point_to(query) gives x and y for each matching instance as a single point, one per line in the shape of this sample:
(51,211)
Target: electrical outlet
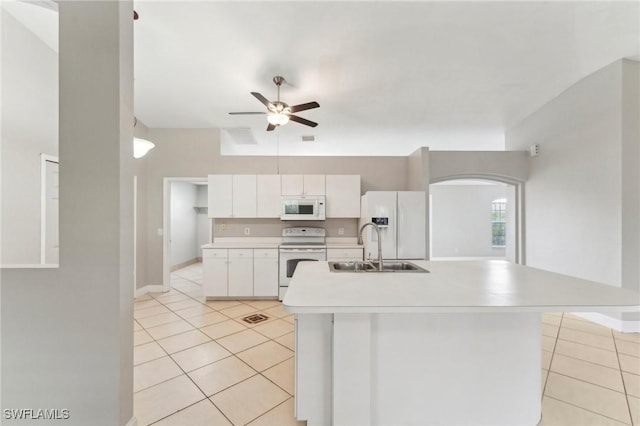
(247,231)
(340,231)
(160,232)
(223,226)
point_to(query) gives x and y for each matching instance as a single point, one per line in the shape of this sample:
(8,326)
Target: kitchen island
(460,345)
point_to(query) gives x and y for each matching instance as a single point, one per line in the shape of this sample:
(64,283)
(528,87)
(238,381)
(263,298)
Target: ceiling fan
(278,112)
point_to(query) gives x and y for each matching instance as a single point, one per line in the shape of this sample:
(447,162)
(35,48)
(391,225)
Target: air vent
(238,135)
(255,318)
(308,138)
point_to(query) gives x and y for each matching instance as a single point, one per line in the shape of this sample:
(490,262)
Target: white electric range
(299,244)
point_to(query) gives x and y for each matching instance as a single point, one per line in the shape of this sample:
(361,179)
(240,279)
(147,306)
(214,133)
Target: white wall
(29,128)
(202,222)
(184,228)
(582,195)
(461,220)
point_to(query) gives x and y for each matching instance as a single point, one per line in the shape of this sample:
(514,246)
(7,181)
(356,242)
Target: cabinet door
(343,196)
(214,269)
(244,195)
(268,196)
(265,272)
(292,185)
(240,272)
(220,196)
(313,185)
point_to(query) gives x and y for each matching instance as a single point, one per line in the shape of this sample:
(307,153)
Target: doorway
(474,219)
(186,225)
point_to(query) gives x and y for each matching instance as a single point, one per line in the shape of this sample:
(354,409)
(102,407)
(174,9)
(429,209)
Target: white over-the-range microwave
(303,207)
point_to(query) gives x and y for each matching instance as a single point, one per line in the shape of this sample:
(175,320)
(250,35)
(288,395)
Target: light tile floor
(198,363)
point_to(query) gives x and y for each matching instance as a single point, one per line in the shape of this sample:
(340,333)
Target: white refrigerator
(402,219)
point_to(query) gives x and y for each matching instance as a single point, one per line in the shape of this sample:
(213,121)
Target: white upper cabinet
(244,196)
(343,196)
(232,196)
(268,196)
(292,185)
(220,196)
(303,185)
(252,196)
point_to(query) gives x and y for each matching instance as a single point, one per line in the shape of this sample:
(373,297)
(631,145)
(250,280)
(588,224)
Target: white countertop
(451,286)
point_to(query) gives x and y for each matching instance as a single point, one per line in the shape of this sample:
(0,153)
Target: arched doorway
(476,217)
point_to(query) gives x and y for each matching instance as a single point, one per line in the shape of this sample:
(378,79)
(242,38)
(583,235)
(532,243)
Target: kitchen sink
(388,266)
(350,266)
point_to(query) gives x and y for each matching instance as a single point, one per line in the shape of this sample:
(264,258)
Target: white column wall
(67,333)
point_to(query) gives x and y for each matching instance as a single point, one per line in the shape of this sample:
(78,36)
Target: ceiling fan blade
(304,107)
(302,121)
(247,113)
(271,127)
(262,99)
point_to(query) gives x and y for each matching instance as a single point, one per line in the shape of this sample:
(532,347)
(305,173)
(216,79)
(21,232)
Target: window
(498,222)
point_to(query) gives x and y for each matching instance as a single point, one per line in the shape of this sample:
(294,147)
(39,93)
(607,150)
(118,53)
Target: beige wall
(196,153)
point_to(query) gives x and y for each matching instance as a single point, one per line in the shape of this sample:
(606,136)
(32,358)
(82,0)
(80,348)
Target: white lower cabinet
(214,270)
(265,272)
(240,273)
(335,254)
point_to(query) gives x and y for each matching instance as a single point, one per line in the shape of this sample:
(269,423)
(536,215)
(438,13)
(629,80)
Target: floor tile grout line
(190,379)
(555,343)
(624,385)
(590,362)
(172,414)
(590,411)
(585,344)
(586,331)
(588,382)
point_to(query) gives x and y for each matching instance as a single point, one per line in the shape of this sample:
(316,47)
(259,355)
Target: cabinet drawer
(337,254)
(240,253)
(265,253)
(209,253)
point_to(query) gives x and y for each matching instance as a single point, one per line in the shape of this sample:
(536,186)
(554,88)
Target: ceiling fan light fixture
(141,147)
(278,119)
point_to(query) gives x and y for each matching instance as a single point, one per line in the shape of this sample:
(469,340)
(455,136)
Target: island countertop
(451,286)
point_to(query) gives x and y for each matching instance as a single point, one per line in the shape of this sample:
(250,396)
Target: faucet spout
(379,241)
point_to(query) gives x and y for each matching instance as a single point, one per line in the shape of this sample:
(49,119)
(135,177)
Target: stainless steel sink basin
(350,266)
(388,266)
(400,266)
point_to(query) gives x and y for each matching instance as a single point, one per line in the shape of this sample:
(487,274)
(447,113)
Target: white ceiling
(390,76)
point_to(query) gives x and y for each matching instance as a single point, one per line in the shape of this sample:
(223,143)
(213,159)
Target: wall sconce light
(141,146)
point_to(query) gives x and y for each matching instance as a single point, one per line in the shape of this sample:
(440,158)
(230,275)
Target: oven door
(291,257)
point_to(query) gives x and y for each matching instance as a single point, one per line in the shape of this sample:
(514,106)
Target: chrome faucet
(379,241)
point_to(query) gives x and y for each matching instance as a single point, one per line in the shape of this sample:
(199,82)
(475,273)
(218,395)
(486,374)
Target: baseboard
(149,289)
(607,321)
(184,264)
(132,421)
